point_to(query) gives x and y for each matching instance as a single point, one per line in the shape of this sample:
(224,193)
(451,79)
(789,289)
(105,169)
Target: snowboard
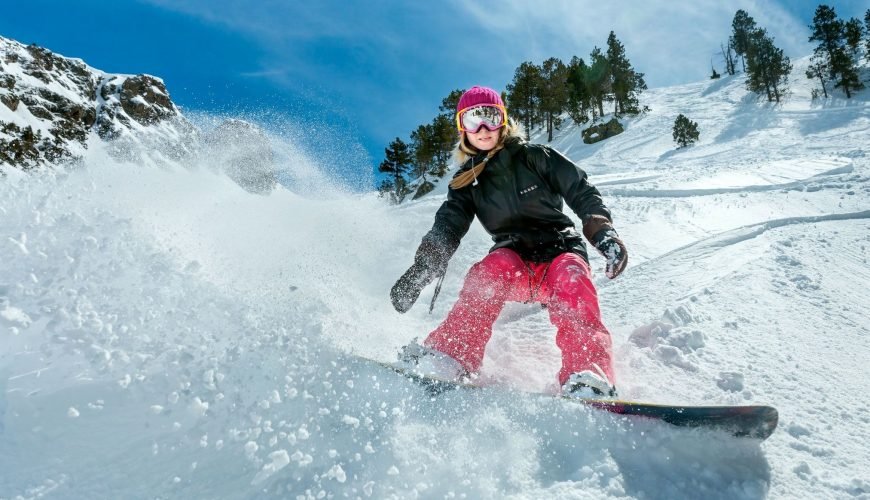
(750,421)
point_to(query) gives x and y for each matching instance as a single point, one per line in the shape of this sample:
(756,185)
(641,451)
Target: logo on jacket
(528,190)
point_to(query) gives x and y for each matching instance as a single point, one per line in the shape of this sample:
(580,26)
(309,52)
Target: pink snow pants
(565,286)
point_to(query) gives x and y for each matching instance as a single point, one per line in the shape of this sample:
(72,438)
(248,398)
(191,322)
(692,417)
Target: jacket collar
(511,146)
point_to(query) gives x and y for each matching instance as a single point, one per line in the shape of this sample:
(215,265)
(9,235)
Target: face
(484,139)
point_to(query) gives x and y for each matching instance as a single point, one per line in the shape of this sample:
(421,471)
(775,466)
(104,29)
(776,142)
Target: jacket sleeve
(452,221)
(430,261)
(570,181)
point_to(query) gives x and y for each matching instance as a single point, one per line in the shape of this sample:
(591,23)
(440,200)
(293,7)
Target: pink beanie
(476,96)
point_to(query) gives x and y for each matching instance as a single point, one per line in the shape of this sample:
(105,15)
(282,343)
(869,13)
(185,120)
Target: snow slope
(165,334)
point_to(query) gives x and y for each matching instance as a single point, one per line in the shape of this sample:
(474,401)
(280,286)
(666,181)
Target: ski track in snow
(167,335)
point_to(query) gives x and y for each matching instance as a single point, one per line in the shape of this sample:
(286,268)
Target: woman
(516,190)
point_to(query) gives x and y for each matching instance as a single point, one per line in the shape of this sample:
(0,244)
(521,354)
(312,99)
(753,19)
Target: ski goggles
(491,116)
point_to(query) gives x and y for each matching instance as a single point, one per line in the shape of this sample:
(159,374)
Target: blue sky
(352,75)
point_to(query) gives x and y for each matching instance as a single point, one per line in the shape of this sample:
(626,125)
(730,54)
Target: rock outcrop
(51,105)
(602,131)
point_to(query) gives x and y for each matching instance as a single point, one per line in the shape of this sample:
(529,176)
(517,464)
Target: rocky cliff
(54,108)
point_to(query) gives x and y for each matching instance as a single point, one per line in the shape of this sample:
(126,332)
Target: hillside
(165,334)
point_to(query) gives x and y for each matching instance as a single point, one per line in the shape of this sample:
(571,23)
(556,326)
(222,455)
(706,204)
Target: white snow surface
(165,334)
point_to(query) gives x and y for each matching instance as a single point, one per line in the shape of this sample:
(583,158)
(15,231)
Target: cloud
(280,21)
(672,42)
(265,73)
(386,65)
(363,57)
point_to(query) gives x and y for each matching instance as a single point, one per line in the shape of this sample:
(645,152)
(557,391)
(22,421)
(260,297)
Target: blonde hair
(464,150)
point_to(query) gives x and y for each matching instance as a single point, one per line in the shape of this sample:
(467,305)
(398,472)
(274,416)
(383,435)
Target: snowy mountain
(166,334)
(54,106)
(55,109)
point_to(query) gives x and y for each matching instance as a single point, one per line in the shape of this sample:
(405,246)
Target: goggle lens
(472,119)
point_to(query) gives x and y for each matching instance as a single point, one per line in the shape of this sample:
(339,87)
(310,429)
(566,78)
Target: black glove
(613,249)
(430,261)
(405,292)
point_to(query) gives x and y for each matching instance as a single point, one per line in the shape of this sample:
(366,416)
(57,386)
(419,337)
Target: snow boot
(431,363)
(589,384)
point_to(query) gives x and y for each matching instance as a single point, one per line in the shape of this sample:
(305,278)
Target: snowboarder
(516,190)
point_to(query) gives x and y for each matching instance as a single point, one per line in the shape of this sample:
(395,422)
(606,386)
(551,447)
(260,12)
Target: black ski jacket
(518,199)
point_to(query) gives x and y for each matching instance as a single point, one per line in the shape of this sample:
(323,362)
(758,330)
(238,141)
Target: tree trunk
(822,81)
(549,127)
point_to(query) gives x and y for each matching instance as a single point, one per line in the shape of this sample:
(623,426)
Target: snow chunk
(337,473)
(670,355)
(279,460)
(198,407)
(15,316)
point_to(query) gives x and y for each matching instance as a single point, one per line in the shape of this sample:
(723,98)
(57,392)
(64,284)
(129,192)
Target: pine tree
(620,77)
(830,32)
(444,137)
(827,29)
(523,94)
(625,82)
(685,131)
(743,26)
(422,146)
(768,67)
(579,102)
(851,79)
(852,34)
(848,78)
(598,82)
(867,35)
(449,103)
(397,162)
(554,93)
(444,134)
(826,32)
